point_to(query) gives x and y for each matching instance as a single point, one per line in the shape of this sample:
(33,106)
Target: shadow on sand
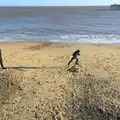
(23,68)
(73,69)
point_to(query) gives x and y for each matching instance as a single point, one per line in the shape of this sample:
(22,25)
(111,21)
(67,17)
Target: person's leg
(71,60)
(1,63)
(76,63)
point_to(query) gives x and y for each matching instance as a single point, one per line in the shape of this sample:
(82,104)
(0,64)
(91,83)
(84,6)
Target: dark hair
(78,51)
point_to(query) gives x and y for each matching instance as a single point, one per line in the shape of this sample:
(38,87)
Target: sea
(75,24)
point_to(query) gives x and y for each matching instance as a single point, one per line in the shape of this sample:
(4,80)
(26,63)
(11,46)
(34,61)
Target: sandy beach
(37,86)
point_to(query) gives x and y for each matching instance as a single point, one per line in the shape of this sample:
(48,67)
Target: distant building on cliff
(115,7)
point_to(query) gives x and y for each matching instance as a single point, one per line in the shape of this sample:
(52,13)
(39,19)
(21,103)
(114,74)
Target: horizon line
(55,5)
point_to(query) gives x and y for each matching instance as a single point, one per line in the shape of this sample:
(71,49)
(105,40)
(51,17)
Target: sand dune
(37,86)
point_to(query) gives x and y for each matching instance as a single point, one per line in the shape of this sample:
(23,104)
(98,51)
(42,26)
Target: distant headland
(115,7)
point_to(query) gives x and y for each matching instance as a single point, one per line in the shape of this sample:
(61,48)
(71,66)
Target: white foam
(107,39)
(89,38)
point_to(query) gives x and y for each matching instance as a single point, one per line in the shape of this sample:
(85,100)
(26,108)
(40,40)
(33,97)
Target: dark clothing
(75,54)
(73,59)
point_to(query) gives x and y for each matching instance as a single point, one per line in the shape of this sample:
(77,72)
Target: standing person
(74,56)
(1,61)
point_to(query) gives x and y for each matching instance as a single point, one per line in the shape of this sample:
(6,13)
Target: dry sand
(37,86)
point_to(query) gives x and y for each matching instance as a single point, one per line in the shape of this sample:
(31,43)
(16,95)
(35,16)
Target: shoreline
(49,42)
